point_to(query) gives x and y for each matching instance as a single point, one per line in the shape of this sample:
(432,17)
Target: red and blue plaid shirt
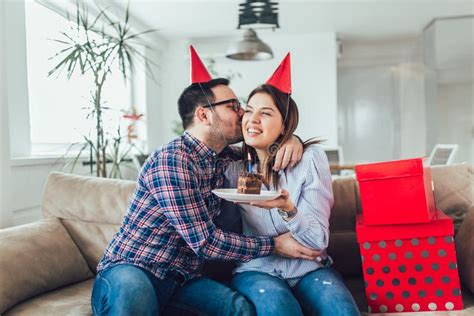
(169,226)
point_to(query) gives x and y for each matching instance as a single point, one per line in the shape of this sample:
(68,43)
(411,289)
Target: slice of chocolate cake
(249,183)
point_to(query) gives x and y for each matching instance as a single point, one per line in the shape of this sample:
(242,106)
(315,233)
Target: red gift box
(396,192)
(410,267)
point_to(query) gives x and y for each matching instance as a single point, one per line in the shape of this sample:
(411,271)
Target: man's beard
(218,135)
(237,137)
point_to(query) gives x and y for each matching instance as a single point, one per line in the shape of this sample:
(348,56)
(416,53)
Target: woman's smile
(254,131)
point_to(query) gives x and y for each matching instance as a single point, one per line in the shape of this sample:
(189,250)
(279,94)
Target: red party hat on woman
(198,70)
(281,78)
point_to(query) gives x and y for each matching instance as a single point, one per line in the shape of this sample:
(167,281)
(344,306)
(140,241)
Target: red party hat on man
(281,78)
(198,70)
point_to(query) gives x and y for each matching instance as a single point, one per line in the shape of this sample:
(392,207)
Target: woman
(276,285)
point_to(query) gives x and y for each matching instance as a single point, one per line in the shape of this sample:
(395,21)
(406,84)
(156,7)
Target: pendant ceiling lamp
(254,14)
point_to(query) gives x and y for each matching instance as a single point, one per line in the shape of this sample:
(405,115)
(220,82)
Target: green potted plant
(97,46)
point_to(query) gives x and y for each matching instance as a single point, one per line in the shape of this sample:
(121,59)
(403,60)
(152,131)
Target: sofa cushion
(343,212)
(453,190)
(36,258)
(344,250)
(90,238)
(70,300)
(88,199)
(465,250)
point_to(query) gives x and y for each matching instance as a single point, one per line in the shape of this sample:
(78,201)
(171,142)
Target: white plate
(233,196)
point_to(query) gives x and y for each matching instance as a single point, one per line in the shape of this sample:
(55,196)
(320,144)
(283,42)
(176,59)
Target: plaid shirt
(169,226)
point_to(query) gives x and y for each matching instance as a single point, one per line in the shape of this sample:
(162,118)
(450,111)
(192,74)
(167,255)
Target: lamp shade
(250,48)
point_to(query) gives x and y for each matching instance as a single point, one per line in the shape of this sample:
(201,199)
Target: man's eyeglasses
(235,104)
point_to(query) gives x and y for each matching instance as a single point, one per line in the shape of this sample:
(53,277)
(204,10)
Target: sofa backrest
(91,209)
(453,190)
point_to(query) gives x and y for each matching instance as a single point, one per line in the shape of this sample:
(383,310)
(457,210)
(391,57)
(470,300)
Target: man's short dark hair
(193,96)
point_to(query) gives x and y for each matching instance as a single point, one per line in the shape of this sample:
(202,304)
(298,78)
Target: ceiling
(350,19)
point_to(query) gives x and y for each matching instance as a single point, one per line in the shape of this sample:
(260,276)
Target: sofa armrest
(36,258)
(465,250)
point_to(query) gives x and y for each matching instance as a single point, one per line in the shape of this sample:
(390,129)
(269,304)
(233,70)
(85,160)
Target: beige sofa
(48,267)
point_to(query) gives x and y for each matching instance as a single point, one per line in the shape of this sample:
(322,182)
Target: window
(58,114)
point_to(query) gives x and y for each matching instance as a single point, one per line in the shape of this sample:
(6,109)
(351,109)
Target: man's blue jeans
(129,290)
(321,292)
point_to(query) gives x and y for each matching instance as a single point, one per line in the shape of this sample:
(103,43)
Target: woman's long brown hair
(289,112)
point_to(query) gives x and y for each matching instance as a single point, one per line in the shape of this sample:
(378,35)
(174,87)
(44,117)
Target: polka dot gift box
(405,183)
(410,267)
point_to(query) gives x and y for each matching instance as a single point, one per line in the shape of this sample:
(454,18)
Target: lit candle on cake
(249,163)
(249,183)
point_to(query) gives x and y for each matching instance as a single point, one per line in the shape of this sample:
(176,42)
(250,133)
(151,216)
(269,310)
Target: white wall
(4,152)
(450,118)
(368,115)
(380,52)
(456,119)
(432,111)
(17,83)
(313,61)
(449,49)
(412,98)
(163,108)
(434,105)
(382,95)
(449,43)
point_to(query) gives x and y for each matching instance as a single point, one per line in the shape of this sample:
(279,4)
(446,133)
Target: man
(168,230)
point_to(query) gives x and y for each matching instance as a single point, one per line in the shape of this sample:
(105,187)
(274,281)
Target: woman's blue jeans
(129,290)
(321,292)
